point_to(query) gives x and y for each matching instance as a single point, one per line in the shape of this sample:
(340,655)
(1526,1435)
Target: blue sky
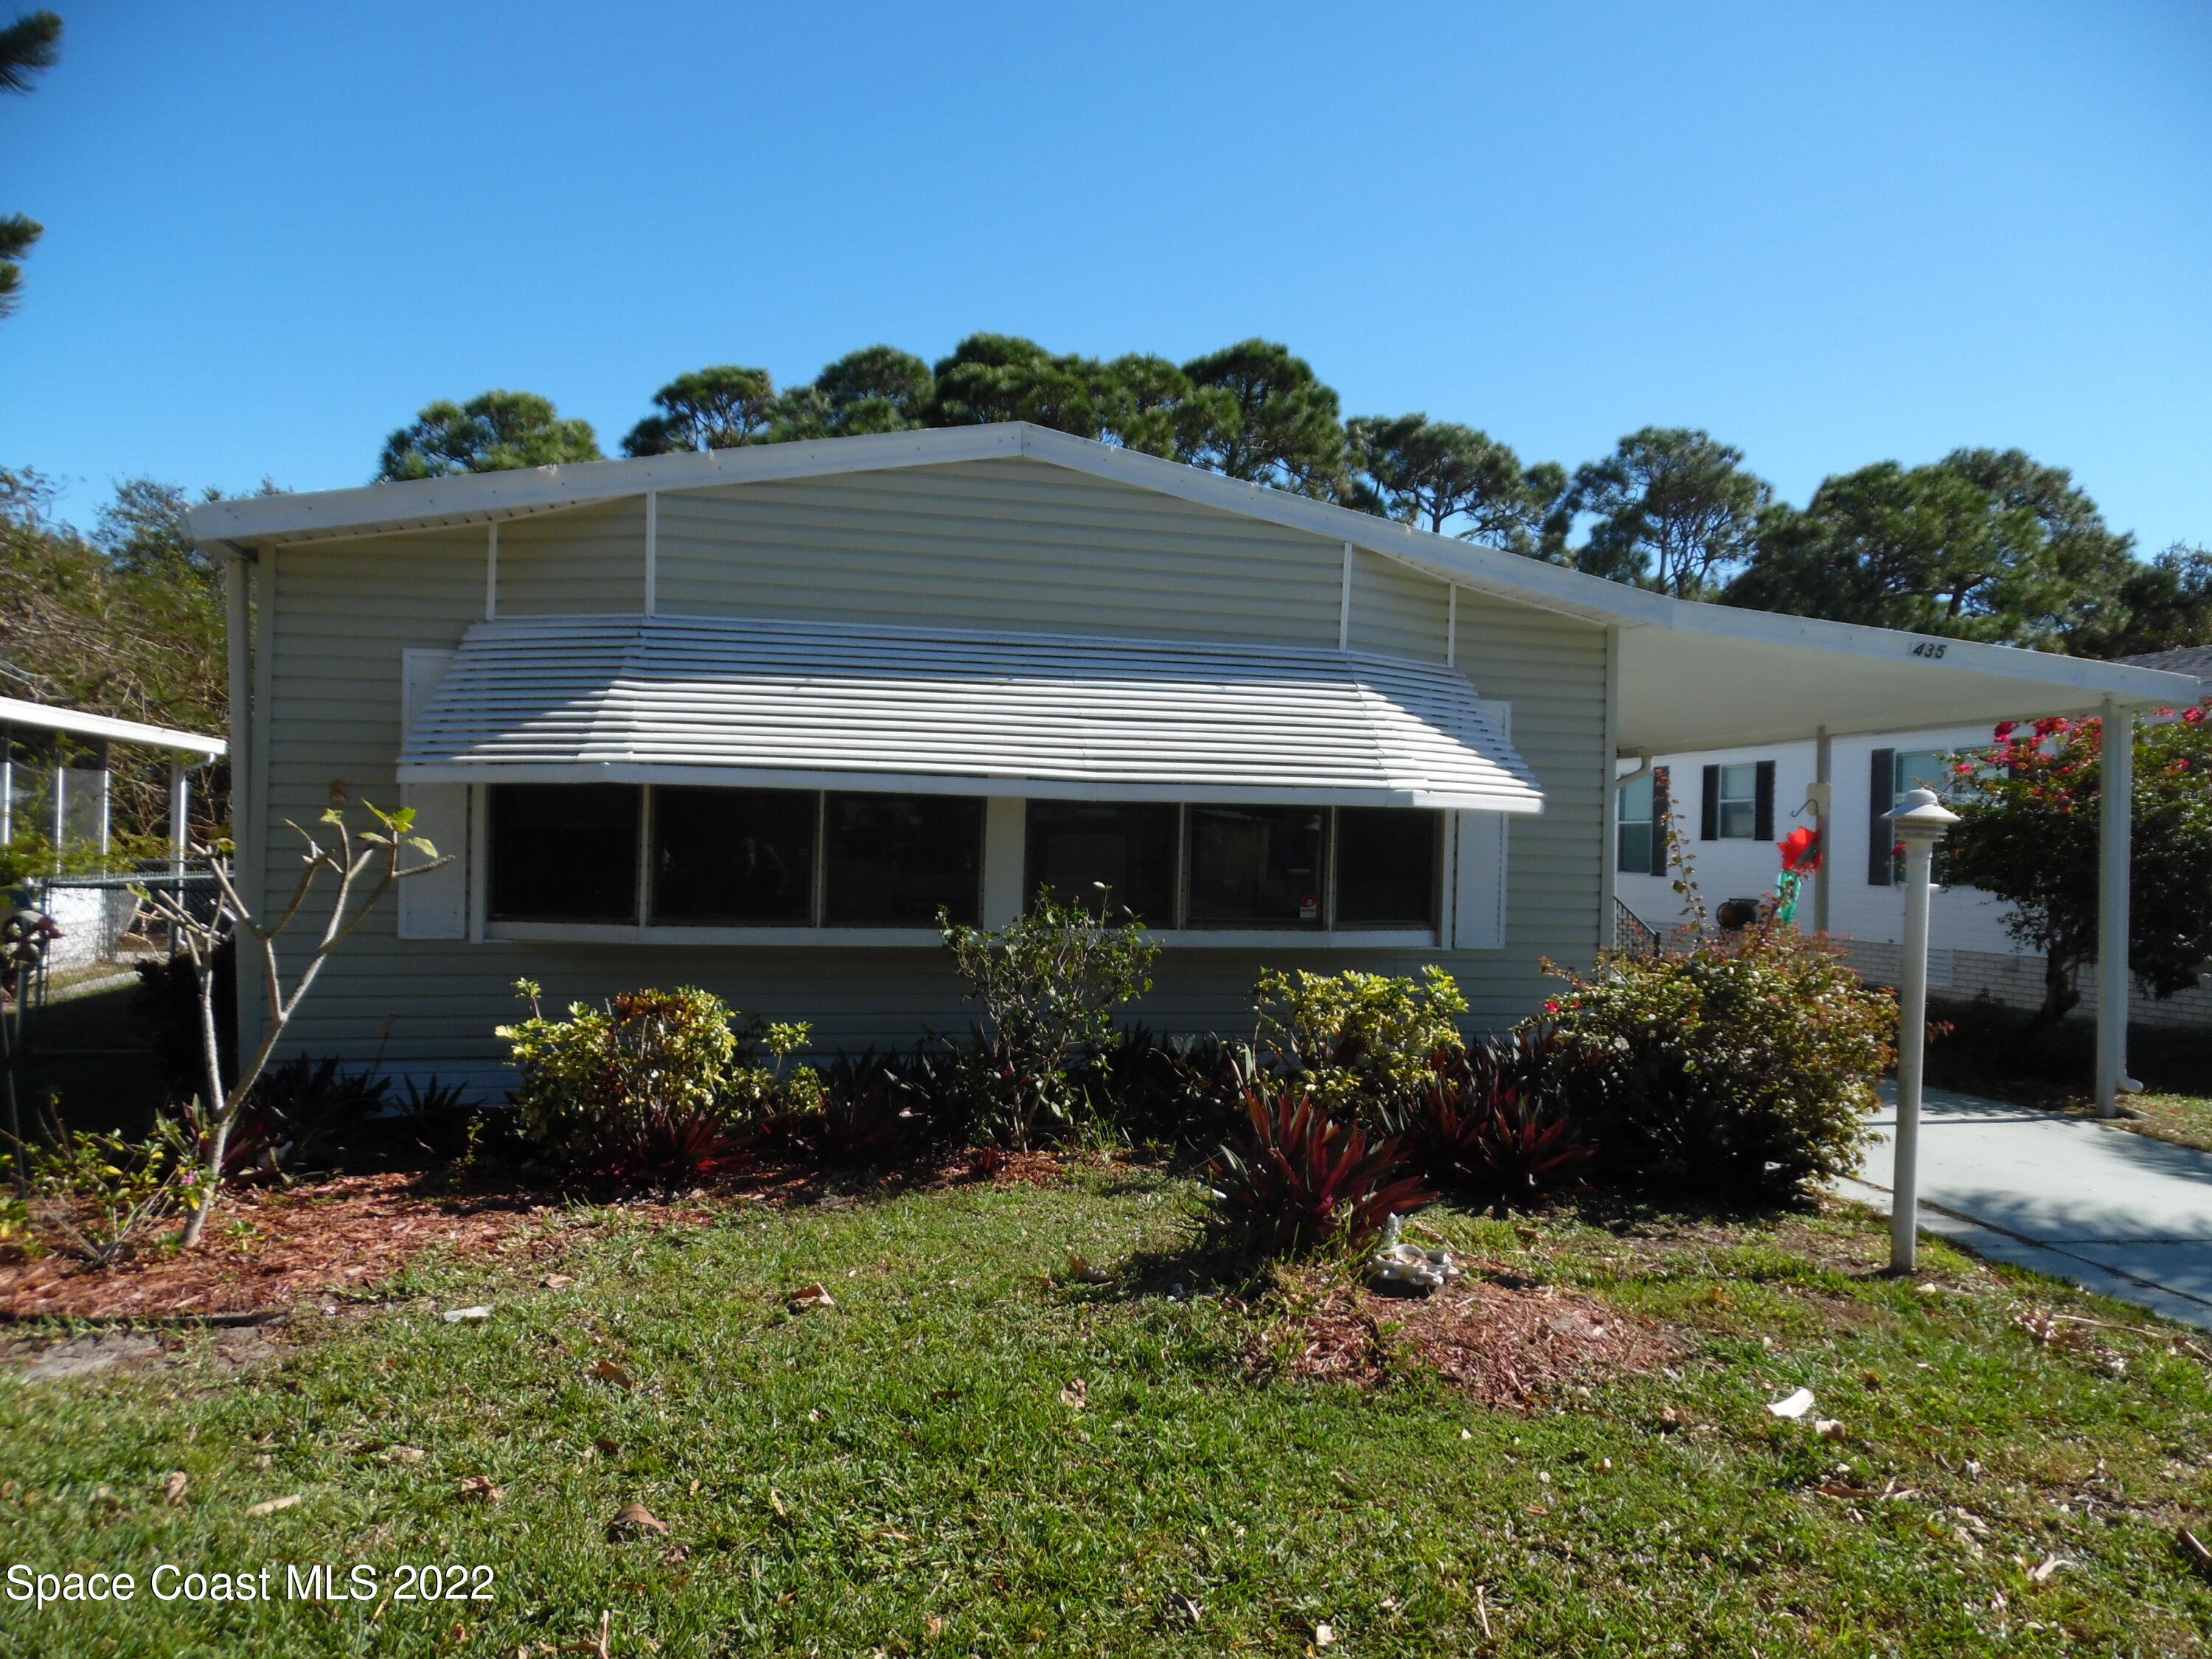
(1830,234)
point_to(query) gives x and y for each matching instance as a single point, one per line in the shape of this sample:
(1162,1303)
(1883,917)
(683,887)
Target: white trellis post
(1920,821)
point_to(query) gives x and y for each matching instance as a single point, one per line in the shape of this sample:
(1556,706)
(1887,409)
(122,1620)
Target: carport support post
(2117,770)
(181,788)
(1920,822)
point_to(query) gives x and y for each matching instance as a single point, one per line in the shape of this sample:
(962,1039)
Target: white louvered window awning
(772,704)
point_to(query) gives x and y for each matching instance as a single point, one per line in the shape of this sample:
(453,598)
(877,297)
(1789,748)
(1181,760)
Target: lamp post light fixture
(1919,821)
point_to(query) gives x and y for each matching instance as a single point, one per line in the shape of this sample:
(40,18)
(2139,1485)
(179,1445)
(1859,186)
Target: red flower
(1800,851)
(2195,716)
(1551,1008)
(2004,731)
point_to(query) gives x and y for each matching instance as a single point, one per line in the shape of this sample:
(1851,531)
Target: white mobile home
(746,718)
(1729,806)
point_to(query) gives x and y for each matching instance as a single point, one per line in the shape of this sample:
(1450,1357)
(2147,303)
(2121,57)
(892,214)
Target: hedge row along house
(747,719)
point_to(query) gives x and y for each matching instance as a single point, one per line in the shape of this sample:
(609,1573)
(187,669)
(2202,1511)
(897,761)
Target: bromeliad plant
(1488,1121)
(1299,1180)
(363,875)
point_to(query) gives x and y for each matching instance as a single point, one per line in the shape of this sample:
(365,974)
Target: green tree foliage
(1258,413)
(28,45)
(2163,605)
(129,621)
(718,408)
(1675,511)
(1137,402)
(877,388)
(1435,473)
(2031,809)
(1983,544)
(492,432)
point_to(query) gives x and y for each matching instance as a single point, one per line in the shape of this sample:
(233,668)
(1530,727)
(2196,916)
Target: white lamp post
(1920,821)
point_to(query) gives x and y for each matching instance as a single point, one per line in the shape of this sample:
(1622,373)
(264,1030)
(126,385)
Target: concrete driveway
(2088,1202)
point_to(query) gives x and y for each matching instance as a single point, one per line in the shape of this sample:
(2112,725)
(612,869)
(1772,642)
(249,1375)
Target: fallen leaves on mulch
(347,1234)
(352,1232)
(1506,1341)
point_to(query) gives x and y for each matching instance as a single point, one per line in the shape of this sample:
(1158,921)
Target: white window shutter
(435,906)
(1478,911)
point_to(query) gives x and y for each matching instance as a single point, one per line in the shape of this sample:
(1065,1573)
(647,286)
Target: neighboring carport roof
(815,705)
(14,712)
(1692,676)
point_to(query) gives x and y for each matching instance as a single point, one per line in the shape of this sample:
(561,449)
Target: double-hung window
(1739,802)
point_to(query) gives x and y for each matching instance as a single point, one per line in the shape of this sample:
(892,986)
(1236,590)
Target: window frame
(1727,806)
(484,928)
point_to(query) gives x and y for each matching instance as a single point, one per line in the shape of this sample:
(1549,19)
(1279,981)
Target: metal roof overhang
(45,718)
(1699,680)
(1690,675)
(810,705)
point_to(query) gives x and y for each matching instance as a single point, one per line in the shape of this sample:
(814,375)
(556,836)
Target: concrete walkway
(2091,1203)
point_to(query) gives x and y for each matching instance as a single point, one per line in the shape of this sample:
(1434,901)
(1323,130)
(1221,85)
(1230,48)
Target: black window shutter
(1881,795)
(1709,820)
(1762,812)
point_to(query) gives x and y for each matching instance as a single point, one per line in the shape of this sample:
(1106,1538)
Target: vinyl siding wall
(1006,545)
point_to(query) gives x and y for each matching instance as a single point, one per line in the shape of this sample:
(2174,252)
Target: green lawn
(901,1474)
(2185,1119)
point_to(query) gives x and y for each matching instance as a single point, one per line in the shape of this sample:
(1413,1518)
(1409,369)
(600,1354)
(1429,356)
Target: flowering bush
(1736,1067)
(1358,1042)
(655,1083)
(2031,808)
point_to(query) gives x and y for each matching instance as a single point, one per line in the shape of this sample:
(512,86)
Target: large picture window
(892,860)
(735,857)
(1255,866)
(730,858)
(564,851)
(1076,848)
(1386,867)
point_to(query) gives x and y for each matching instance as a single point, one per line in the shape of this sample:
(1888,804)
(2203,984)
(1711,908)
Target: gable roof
(1691,675)
(2190,659)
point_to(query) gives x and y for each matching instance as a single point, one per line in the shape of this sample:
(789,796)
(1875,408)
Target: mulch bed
(351,1233)
(1508,1342)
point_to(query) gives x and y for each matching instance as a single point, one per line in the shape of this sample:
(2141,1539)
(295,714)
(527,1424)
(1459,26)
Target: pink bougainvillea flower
(2195,716)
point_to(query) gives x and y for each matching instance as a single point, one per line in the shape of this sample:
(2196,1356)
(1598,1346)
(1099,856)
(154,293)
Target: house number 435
(1929,648)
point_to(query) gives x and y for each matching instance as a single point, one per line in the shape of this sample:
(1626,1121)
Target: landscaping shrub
(1489,1122)
(302,1113)
(1169,1091)
(873,1109)
(1736,1068)
(654,1085)
(1358,1042)
(99,1197)
(1298,1179)
(1049,983)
